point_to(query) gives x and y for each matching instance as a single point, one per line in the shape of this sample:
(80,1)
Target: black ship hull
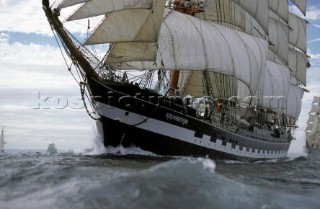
(131,116)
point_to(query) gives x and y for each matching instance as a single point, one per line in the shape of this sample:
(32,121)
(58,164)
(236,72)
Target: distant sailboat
(52,149)
(2,142)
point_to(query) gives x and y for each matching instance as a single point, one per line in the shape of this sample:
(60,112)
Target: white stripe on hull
(182,134)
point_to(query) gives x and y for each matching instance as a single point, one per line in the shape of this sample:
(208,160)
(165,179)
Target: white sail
(134,14)
(275,92)
(279,7)
(294,97)
(132,51)
(274,58)
(297,62)
(125,25)
(297,35)
(257,9)
(193,83)
(68,3)
(200,45)
(301,4)
(274,86)
(234,16)
(312,130)
(237,17)
(130,25)
(206,46)
(101,7)
(289,104)
(278,36)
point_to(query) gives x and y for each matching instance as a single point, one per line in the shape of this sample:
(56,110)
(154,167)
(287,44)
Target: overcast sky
(33,69)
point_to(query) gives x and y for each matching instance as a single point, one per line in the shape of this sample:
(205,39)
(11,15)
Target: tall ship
(216,78)
(313,126)
(2,142)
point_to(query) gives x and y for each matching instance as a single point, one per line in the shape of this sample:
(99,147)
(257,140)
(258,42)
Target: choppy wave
(118,180)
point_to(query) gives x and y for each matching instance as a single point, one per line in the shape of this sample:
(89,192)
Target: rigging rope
(82,89)
(80,83)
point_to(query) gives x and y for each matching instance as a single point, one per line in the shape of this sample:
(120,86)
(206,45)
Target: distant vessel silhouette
(52,149)
(2,142)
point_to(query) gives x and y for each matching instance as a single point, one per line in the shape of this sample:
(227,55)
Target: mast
(186,7)
(174,79)
(74,51)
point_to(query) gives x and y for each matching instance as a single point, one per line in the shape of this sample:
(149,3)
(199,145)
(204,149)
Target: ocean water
(131,178)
